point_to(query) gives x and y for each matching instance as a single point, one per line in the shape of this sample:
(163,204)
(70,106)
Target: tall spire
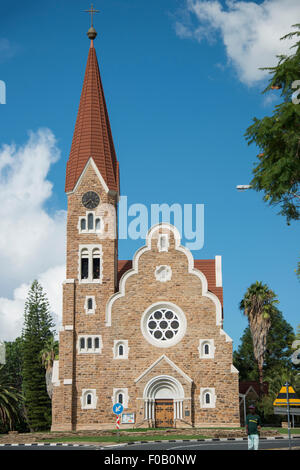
(92,135)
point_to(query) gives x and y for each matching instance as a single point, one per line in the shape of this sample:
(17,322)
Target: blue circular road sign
(118,408)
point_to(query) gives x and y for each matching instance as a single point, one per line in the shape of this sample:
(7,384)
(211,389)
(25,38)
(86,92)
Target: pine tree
(37,330)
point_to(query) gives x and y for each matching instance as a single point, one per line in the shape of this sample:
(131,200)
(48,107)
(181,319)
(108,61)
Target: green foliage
(49,353)
(258,305)
(9,401)
(13,368)
(278,367)
(277,172)
(278,351)
(37,331)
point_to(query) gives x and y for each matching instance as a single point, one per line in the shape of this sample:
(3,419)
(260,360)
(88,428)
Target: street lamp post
(243,187)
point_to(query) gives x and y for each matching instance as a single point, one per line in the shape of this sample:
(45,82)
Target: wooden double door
(164,413)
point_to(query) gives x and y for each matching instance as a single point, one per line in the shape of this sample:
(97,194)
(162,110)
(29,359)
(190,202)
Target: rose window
(163,324)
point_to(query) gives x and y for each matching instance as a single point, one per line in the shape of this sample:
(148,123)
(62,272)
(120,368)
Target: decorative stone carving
(163,273)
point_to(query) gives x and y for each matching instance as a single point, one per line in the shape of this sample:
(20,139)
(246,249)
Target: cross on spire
(92,11)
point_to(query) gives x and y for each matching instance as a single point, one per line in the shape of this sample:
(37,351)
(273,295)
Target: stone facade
(150,368)
(153,339)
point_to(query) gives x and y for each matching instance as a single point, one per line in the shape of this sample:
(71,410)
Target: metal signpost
(287,403)
(288,413)
(117,410)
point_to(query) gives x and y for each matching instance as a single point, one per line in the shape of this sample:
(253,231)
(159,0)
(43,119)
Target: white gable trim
(171,363)
(101,179)
(218,268)
(227,337)
(191,269)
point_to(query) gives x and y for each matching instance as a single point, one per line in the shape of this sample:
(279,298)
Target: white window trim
(93,230)
(202,343)
(84,393)
(160,242)
(213,397)
(92,350)
(124,343)
(90,249)
(116,392)
(92,311)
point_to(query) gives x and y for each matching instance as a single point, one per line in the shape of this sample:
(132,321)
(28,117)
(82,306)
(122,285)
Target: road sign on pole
(287,402)
(288,413)
(281,399)
(118,408)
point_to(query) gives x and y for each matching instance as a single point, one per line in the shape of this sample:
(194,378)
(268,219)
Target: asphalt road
(167,446)
(220,445)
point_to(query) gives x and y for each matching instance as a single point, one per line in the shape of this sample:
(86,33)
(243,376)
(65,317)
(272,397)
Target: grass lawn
(285,431)
(121,439)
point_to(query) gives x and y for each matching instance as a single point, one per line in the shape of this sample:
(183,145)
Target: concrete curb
(49,444)
(214,439)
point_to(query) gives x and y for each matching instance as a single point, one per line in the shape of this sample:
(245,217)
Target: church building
(146,333)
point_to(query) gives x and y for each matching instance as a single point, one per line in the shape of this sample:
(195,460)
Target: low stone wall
(213,433)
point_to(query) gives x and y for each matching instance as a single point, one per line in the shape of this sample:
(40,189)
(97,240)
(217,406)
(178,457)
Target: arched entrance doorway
(163,401)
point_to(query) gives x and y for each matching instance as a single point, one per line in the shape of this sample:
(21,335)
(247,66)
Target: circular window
(163,325)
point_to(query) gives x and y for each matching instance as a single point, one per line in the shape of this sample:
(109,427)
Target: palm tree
(258,305)
(48,355)
(9,401)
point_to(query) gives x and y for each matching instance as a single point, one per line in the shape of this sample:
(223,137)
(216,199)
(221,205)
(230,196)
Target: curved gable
(128,269)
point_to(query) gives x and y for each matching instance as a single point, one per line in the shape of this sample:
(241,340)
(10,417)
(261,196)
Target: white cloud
(250,32)
(32,242)
(12,310)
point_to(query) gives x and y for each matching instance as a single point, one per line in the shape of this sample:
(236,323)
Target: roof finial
(92,33)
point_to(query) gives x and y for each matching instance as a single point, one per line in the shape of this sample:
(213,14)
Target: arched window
(206,348)
(89,399)
(84,264)
(83,224)
(91,222)
(96,263)
(97,343)
(90,304)
(120,398)
(121,349)
(89,343)
(82,343)
(207,398)
(98,224)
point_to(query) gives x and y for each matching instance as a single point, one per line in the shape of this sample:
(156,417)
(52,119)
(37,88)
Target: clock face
(90,200)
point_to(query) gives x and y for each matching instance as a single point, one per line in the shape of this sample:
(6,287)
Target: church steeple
(92,136)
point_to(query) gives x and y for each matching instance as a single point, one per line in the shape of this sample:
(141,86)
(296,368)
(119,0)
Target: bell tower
(92,188)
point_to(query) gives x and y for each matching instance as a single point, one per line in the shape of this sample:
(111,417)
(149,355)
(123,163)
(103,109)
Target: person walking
(253,425)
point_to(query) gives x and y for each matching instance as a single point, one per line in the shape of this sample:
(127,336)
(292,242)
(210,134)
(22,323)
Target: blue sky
(180,98)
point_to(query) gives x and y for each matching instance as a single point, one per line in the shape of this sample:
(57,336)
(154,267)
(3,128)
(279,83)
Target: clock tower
(147,332)
(92,188)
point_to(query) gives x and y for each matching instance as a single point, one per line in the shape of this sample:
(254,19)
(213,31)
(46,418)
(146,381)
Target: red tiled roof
(92,135)
(206,266)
